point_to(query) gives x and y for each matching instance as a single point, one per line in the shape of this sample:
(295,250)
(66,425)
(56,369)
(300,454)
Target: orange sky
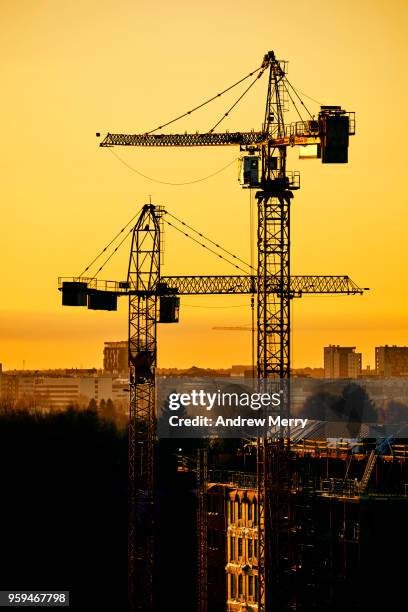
(71,68)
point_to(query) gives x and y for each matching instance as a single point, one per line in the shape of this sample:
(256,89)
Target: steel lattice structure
(297,133)
(273,355)
(274,287)
(202,520)
(183,140)
(144,287)
(231,285)
(143,278)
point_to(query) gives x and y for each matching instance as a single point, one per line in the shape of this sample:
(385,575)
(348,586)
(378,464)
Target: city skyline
(65,198)
(116,362)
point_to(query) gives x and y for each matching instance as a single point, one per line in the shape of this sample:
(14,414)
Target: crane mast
(143,280)
(273,346)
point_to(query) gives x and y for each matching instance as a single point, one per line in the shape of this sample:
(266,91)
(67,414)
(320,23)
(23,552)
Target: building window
(240,591)
(250,586)
(255,513)
(239,510)
(231,511)
(256,548)
(249,512)
(256,587)
(232,548)
(249,549)
(232,586)
(239,547)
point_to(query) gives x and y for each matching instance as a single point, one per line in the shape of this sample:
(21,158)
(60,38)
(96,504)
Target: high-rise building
(391,360)
(116,358)
(341,362)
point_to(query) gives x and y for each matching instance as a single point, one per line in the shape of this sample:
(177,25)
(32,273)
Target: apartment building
(341,362)
(391,360)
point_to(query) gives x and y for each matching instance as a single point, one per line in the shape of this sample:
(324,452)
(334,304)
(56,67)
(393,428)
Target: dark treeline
(63,511)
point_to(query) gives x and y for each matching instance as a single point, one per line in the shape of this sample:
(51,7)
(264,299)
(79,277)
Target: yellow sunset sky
(71,68)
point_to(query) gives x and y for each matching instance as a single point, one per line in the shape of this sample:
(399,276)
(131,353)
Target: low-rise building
(59,392)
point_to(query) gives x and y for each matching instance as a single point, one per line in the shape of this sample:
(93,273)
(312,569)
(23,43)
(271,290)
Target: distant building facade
(341,362)
(391,360)
(57,393)
(240,370)
(116,358)
(8,387)
(369,372)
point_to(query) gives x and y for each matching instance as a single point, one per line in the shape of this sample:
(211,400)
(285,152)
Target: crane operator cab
(249,171)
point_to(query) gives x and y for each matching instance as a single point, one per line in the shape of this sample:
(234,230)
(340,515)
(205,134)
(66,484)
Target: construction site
(279,522)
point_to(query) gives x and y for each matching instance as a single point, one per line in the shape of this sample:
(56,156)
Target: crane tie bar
(218,95)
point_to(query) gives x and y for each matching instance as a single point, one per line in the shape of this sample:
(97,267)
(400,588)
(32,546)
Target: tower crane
(154,298)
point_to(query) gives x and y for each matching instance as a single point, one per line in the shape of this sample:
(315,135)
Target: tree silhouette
(164,430)
(110,412)
(93,405)
(355,405)
(318,406)
(102,406)
(71,527)
(396,412)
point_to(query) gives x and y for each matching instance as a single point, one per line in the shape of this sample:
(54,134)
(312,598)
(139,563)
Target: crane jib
(184,140)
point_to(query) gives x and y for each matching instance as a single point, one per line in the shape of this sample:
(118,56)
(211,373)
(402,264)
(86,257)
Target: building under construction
(347,528)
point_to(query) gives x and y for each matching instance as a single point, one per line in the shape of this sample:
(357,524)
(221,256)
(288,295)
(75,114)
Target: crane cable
(205,246)
(293,102)
(299,98)
(172,225)
(114,251)
(237,101)
(159,127)
(110,243)
(252,259)
(149,178)
(306,96)
(209,240)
